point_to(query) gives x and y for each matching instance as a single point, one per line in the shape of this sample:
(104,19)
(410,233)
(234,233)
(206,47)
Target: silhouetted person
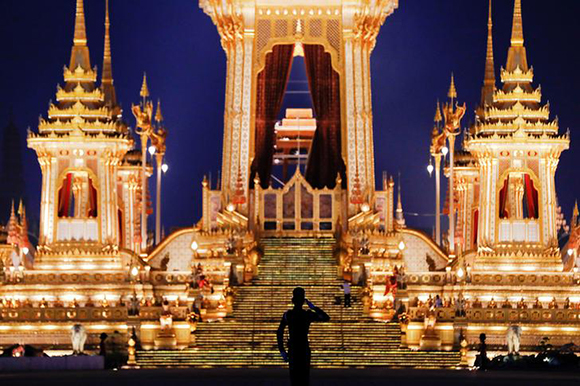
(102,344)
(298,322)
(346,289)
(481,360)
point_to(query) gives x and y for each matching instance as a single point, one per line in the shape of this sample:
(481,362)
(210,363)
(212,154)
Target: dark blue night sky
(178,46)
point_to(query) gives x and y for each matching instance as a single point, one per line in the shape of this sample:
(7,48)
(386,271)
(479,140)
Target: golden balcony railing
(502,315)
(85,314)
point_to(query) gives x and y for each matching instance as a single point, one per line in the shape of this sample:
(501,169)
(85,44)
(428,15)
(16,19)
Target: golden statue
(143,117)
(158,139)
(453,116)
(506,304)
(437,140)
(567,304)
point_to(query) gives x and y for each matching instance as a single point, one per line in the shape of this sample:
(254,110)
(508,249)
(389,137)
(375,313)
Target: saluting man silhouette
(298,321)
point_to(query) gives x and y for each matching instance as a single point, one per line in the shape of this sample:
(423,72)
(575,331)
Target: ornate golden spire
(108,89)
(80,52)
(517,51)
(438,118)
(517,28)
(80,38)
(399,214)
(144,93)
(489,78)
(158,114)
(12,227)
(575,215)
(452,94)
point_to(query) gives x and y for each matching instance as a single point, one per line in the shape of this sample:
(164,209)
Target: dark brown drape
(325,161)
(271,87)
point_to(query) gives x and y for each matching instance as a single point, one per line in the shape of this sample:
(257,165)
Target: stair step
(248,337)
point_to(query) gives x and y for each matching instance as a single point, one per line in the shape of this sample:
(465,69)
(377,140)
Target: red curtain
(475,227)
(503,199)
(531,196)
(271,87)
(325,160)
(121,227)
(92,200)
(65,196)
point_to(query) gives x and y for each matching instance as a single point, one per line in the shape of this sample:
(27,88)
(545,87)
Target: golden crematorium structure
(212,294)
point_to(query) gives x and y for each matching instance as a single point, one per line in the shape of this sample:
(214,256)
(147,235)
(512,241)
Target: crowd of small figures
(460,303)
(198,280)
(89,303)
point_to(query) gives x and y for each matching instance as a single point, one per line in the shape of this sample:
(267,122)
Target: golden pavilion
(212,294)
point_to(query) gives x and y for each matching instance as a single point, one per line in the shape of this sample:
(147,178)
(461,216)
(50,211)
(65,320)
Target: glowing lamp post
(437,150)
(158,138)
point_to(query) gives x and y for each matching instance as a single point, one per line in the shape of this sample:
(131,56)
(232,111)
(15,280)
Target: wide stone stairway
(248,338)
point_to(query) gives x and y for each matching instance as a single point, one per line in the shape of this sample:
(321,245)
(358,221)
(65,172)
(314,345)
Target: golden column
(361,22)
(453,114)
(143,114)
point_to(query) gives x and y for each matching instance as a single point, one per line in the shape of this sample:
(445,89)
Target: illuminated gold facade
(86,267)
(347,31)
(513,148)
(509,269)
(94,263)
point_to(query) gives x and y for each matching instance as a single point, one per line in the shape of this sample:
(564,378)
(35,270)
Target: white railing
(519,231)
(75,229)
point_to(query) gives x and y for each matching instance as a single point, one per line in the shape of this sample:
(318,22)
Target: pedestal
(430,341)
(166,340)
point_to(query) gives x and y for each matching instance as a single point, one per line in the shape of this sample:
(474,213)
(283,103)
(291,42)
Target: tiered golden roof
(82,107)
(517,105)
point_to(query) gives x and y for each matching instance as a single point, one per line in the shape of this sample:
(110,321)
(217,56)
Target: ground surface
(278,377)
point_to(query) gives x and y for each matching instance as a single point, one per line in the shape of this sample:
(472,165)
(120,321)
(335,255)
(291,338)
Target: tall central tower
(337,38)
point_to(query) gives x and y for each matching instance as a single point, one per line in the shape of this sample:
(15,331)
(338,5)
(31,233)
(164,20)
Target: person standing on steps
(346,288)
(298,322)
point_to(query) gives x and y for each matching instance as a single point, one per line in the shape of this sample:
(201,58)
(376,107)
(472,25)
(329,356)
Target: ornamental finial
(80,52)
(12,227)
(107,76)
(438,118)
(489,78)
(517,28)
(144,93)
(158,114)
(80,36)
(452,94)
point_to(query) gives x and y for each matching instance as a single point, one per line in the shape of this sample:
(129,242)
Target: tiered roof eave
(517,76)
(518,137)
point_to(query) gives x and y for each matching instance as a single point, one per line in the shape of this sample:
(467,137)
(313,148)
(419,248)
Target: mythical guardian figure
(513,336)
(79,337)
